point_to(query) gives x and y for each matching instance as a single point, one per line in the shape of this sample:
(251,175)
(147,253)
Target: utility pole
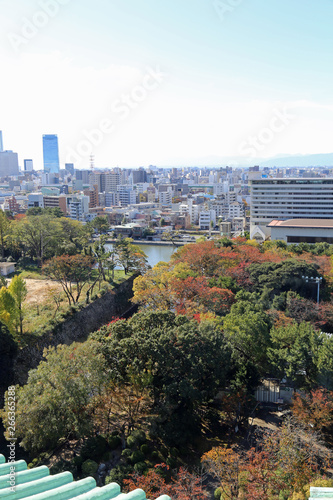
(312,279)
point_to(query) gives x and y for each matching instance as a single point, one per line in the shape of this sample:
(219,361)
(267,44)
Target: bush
(126,453)
(118,474)
(137,456)
(114,442)
(131,441)
(145,449)
(89,467)
(217,493)
(140,467)
(94,448)
(136,438)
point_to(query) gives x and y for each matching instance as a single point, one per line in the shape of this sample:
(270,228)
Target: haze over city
(166,82)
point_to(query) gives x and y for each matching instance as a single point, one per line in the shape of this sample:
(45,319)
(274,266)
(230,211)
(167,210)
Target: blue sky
(244,79)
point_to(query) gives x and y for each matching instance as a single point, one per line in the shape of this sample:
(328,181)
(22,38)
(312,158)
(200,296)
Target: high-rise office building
(291,198)
(28,165)
(70,168)
(8,163)
(1,143)
(51,154)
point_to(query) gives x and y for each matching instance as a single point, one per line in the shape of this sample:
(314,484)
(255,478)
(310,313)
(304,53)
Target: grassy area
(33,274)
(49,305)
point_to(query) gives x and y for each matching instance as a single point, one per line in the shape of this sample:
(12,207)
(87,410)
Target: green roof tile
(38,484)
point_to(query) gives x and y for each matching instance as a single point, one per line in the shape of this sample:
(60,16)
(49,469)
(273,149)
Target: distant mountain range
(317,160)
(299,161)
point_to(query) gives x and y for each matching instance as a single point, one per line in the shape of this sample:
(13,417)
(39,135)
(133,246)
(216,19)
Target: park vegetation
(168,396)
(45,245)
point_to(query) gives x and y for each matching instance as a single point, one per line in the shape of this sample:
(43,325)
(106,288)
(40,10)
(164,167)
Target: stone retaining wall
(75,329)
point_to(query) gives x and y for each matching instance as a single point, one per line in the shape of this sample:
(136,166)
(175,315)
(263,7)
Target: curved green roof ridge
(18,482)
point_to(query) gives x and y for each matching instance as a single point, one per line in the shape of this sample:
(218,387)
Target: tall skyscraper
(8,163)
(70,168)
(51,154)
(1,143)
(28,165)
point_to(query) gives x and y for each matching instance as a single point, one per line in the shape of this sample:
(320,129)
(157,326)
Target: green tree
(4,230)
(247,328)
(283,276)
(53,212)
(187,363)
(75,236)
(295,353)
(73,272)
(38,236)
(19,291)
(130,256)
(100,224)
(55,402)
(8,309)
(102,256)
(325,361)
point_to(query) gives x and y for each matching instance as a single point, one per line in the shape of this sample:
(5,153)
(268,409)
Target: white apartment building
(35,200)
(206,218)
(236,210)
(165,197)
(112,181)
(191,209)
(293,198)
(218,189)
(78,207)
(127,195)
(105,181)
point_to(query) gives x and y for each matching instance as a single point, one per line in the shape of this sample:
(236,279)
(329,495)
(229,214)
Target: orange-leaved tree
(183,485)
(314,409)
(225,464)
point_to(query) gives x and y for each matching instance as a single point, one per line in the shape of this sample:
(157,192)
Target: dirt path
(262,423)
(41,290)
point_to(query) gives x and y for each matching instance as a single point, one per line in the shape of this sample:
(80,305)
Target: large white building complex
(290,198)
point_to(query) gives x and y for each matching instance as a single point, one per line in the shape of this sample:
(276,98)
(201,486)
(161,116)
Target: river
(155,253)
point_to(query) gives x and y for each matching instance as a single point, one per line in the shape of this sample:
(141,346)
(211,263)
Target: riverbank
(156,243)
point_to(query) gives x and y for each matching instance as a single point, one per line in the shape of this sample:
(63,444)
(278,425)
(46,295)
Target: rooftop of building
(313,223)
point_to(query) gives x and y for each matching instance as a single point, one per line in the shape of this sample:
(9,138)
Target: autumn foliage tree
(284,460)
(183,485)
(122,406)
(314,409)
(260,471)
(225,464)
(72,272)
(177,287)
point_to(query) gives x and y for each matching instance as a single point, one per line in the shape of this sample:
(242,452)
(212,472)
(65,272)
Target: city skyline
(145,82)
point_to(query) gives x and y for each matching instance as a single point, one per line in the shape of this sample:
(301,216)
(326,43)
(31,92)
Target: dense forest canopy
(175,383)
